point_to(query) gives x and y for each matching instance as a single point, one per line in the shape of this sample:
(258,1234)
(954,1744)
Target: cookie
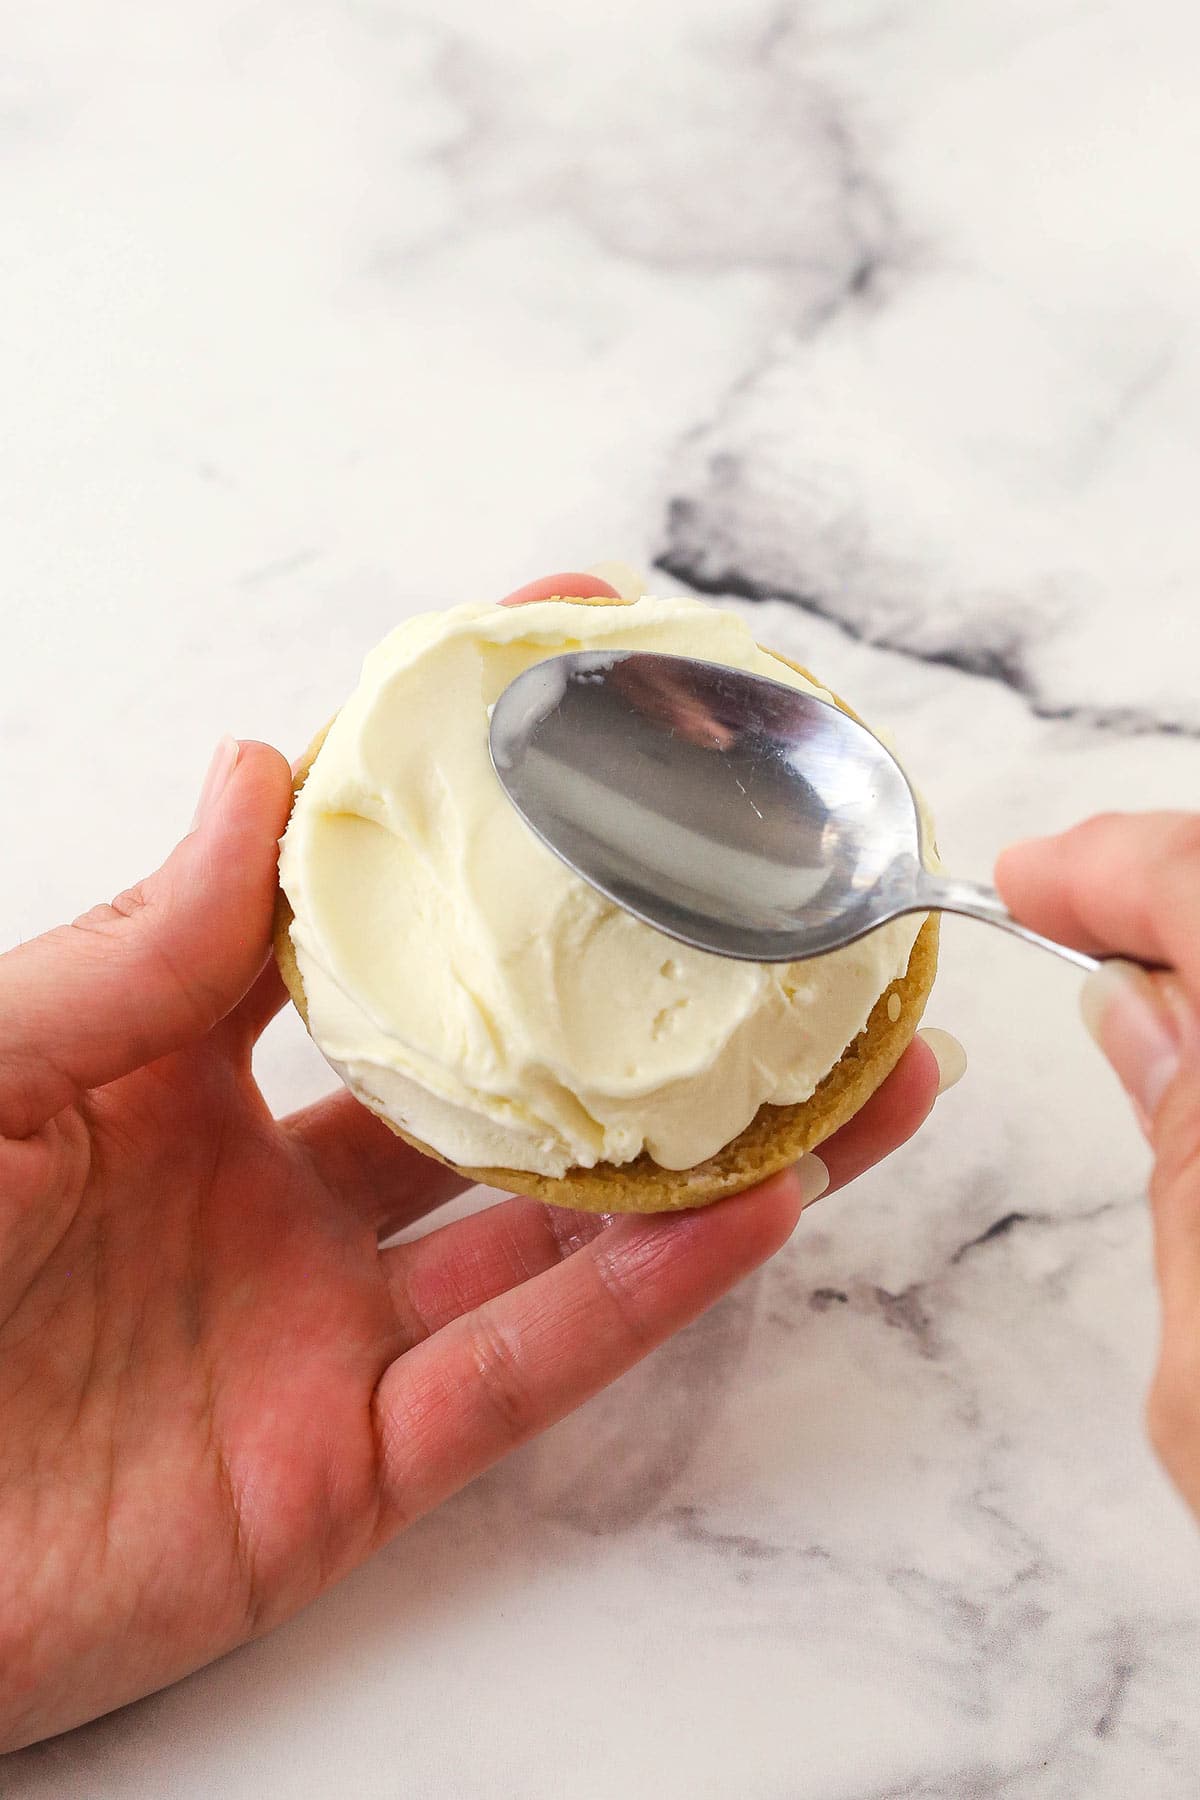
(776,1137)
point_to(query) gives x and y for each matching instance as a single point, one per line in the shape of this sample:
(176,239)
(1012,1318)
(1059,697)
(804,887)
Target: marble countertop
(880,318)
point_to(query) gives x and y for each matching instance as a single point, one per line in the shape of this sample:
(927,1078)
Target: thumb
(1150,1031)
(126,983)
(1148,1028)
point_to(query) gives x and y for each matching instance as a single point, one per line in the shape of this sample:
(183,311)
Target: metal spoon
(734,813)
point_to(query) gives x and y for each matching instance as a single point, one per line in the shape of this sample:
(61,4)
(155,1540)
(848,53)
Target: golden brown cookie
(774,1138)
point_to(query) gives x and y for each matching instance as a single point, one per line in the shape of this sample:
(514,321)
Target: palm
(191,1360)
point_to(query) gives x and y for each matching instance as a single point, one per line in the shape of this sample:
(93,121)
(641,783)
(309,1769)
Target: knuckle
(613,1279)
(499,1376)
(141,915)
(126,904)
(567,1232)
(96,918)
(132,900)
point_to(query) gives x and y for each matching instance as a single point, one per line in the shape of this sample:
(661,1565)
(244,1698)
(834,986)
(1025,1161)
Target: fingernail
(813,1177)
(1140,1025)
(221,767)
(628,582)
(948,1053)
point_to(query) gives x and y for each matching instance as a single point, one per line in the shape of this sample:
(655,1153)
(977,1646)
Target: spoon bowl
(734,813)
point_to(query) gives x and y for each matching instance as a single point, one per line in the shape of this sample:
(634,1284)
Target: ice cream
(481,997)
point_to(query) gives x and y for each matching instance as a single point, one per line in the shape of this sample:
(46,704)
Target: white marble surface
(318,312)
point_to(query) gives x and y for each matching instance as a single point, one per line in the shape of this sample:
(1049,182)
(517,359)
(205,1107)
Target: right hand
(1130,884)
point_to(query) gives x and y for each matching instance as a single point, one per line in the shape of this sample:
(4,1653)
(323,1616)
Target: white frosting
(466,985)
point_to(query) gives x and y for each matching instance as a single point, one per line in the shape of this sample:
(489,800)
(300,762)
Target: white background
(315,313)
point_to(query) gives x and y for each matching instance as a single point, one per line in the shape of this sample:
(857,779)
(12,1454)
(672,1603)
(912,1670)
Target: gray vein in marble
(1143,383)
(278,569)
(907,1312)
(1010,1221)
(688,1524)
(1113,1697)
(998,1228)
(794,200)
(992,653)
(1001,534)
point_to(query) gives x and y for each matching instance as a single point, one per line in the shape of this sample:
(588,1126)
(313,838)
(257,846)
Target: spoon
(734,813)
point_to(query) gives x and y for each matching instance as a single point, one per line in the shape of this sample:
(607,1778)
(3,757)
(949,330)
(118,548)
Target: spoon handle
(942,893)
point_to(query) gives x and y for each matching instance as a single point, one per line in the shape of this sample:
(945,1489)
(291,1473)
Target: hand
(217,1393)
(1131,883)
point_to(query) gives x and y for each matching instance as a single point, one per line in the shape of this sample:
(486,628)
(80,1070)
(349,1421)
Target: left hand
(217,1393)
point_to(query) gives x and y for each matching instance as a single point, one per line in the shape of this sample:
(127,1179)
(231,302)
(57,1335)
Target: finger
(1145,1024)
(133,981)
(897,1109)
(1175,1191)
(1126,882)
(1149,1028)
(449,1408)
(1173,1412)
(573,585)
(267,996)
(497,1376)
(379,1175)
(459,1266)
